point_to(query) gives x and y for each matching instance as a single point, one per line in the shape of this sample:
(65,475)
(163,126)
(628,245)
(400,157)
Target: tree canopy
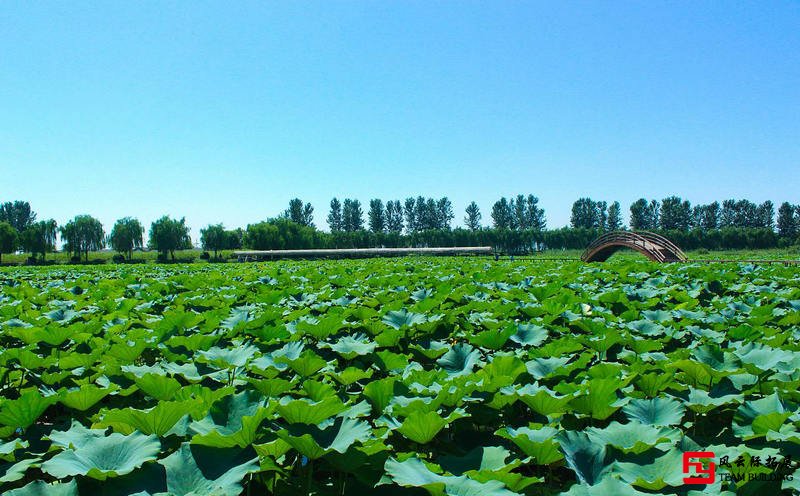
(168,235)
(127,235)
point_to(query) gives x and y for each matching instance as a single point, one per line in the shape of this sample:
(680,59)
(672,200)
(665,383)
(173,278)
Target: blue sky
(222,112)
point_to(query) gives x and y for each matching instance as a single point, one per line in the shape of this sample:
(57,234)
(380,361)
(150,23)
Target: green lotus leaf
(12,472)
(599,399)
(646,327)
(103,457)
(493,339)
(61,315)
(702,401)
(76,437)
(186,477)
(23,411)
(529,335)
(402,318)
(305,411)
(84,397)
(238,315)
(544,401)
(634,437)
(280,358)
(381,392)
(314,442)
(656,411)
(41,488)
(761,356)
(308,364)
(605,487)
(232,421)
(757,417)
(422,427)
(236,356)
(663,471)
(352,375)
(490,458)
(160,387)
(657,315)
(460,360)
(350,347)
(539,443)
(13,445)
(431,349)
(540,368)
(168,417)
(585,457)
(414,473)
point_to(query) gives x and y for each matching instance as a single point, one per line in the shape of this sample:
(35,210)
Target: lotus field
(404,376)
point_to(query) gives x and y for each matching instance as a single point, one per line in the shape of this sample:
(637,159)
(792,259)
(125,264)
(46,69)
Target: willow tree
(83,234)
(127,235)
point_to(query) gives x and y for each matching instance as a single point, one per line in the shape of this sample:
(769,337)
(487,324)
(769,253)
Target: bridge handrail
(665,242)
(634,239)
(624,237)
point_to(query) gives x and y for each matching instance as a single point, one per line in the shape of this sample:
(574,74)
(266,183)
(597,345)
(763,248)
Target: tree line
(518,225)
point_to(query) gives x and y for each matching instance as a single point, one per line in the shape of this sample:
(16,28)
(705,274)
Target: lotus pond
(402,376)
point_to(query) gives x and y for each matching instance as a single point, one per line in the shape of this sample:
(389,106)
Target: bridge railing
(665,242)
(629,238)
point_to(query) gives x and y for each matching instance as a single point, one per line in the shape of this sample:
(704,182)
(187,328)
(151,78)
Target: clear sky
(223,111)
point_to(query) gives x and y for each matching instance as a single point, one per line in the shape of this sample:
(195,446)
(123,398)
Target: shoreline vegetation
(106,257)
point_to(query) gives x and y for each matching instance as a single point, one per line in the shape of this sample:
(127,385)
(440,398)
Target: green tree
(300,213)
(281,234)
(83,234)
(502,216)
(765,214)
(788,220)
(427,214)
(706,217)
(394,216)
(534,216)
(9,239)
(352,216)
(127,235)
(335,222)
(473,218)
(584,214)
(727,214)
(40,237)
(444,213)
(18,214)
(410,212)
(376,216)
(517,206)
(214,237)
(602,214)
(168,235)
(614,221)
(675,214)
(644,215)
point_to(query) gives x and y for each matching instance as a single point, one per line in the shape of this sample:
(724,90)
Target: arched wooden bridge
(655,247)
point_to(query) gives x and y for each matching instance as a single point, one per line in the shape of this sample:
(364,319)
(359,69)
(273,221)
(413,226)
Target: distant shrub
(703,251)
(118,258)
(205,256)
(75,259)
